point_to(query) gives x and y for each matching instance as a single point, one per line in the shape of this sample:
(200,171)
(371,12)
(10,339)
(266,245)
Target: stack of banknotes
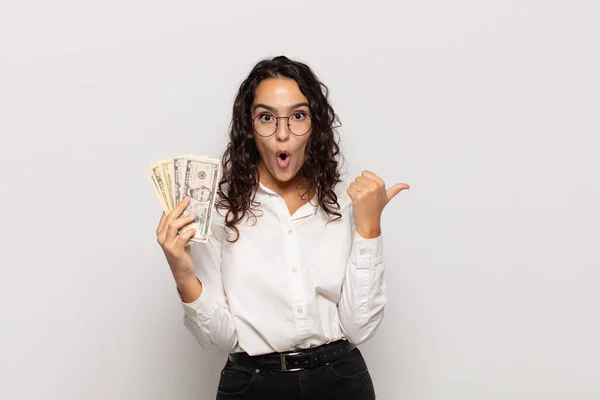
(196,177)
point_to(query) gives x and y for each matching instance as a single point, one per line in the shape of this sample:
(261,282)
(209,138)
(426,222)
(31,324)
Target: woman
(291,280)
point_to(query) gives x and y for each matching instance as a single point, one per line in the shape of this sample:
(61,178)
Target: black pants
(345,378)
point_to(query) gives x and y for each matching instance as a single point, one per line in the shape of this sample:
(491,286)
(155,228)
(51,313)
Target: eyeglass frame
(277,123)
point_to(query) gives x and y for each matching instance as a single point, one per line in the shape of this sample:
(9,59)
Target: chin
(283,176)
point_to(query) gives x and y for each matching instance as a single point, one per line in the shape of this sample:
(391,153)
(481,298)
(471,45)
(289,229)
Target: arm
(207,314)
(363,296)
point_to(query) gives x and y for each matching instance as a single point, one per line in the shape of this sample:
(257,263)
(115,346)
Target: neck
(298,184)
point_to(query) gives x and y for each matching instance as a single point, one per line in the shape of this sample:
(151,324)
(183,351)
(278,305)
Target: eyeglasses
(266,124)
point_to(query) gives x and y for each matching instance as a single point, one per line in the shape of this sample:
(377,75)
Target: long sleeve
(208,318)
(363,295)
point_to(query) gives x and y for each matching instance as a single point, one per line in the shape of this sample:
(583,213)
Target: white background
(488,109)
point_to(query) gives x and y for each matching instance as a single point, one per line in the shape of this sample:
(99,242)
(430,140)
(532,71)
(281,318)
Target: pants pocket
(350,368)
(235,379)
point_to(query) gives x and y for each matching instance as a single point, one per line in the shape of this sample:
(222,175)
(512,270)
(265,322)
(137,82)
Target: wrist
(185,279)
(189,290)
(369,232)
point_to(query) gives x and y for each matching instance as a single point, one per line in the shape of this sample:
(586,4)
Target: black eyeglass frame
(277,123)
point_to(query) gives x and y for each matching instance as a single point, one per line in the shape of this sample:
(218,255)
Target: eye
(299,116)
(266,118)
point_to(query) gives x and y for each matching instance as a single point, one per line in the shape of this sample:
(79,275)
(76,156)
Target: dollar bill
(167,172)
(188,175)
(160,183)
(158,195)
(200,185)
(179,164)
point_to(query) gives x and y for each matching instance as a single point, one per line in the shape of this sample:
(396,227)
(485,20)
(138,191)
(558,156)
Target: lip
(280,152)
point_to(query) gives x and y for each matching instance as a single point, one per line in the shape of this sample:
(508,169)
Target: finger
(361,186)
(372,176)
(182,240)
(185,243)
(353,186)
(161,223)
(176,225)
(366,182)
(177,211)
(394,190)
(352,192)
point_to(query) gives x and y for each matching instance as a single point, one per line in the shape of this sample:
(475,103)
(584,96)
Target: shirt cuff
(199,310)
(367,252)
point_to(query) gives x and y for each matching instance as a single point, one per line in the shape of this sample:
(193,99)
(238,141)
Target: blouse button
(294,270)
(290,232)
(299,311)
(362,252)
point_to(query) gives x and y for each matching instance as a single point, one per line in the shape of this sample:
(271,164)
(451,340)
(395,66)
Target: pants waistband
(296,360)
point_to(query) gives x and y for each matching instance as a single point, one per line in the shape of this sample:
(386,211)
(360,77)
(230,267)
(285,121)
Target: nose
(282,133)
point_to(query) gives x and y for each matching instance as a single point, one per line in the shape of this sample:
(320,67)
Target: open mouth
(283,158)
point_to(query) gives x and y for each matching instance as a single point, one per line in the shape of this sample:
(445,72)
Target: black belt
(296,360)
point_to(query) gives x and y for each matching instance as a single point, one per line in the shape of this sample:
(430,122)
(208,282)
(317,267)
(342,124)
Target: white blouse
(290,282)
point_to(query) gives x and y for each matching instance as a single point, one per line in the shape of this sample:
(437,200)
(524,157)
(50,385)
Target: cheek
(305,146)
(261,146)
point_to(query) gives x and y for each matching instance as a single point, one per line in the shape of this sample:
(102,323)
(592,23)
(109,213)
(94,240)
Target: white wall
(488,109)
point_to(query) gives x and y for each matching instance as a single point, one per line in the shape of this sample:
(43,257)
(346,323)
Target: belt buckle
(284,367)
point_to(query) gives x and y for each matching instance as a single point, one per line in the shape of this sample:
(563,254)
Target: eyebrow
(273,110)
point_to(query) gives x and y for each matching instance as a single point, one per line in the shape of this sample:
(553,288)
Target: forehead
(278,92)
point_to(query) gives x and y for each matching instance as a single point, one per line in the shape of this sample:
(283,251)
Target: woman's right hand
(173,245)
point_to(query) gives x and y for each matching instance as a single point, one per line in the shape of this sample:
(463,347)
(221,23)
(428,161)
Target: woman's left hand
(369,197)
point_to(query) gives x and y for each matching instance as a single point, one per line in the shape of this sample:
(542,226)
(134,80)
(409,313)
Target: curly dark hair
(320,170)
